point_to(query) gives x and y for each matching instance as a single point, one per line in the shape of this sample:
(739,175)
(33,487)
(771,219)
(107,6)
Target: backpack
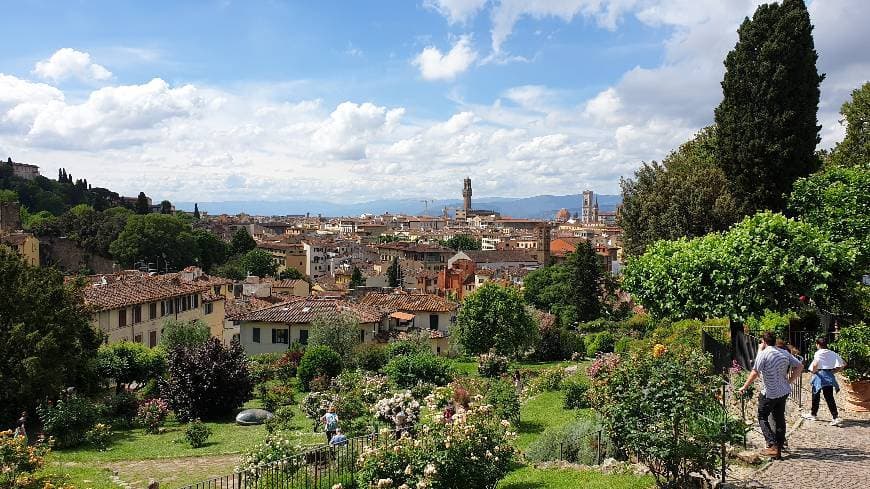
(331,422)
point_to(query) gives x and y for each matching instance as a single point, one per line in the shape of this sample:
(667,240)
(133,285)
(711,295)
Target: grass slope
(532,478)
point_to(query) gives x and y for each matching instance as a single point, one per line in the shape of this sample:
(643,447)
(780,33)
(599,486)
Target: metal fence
(320,467)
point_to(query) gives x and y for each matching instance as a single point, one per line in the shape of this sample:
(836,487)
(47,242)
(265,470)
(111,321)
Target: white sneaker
(808,416)
(836,422)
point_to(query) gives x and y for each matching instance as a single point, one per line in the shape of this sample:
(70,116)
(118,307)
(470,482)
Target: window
(152,339)
(122,318)
(137,314)
(152,310)
(162,308)
(303,336)
(236,338)
(256,332)
(184,303)
(209,307)
(281,336)
(196,301)
(433,321)
(362,336)
(217,289)
(137,338)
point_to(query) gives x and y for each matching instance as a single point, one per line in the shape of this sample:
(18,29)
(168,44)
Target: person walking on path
(330,423)
(825,364)
(773,365)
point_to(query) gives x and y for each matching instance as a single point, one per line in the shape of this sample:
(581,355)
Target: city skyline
(283,102)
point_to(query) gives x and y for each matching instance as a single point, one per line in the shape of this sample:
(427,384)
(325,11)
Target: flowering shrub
(282,420)
(502,396)
(152,415)
(577,394)
(472,451)
(660,405)
(315,404)
(100,436)
(275,395)
(492,365)
(68,420)
(286,366)
(603,364)
(275,447)
(738,378)
(18,460)
(548,380)
(388,408)
(197,433)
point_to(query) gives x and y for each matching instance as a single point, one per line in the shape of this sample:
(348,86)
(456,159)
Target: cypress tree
(767,123)
(195,210)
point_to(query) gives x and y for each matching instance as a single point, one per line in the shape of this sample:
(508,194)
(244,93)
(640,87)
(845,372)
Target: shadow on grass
(531,427)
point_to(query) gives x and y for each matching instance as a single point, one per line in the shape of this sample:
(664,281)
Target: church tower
(587,209)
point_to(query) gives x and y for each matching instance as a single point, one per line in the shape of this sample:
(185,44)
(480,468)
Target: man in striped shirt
(773,364)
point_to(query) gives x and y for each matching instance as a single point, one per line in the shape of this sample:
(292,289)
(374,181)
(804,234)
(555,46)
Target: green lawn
(532,478)
(78,476)
(541,412)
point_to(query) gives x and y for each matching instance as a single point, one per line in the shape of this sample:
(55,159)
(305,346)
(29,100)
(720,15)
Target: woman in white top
(824,365)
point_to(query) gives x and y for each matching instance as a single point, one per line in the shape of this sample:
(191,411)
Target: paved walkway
(822,456)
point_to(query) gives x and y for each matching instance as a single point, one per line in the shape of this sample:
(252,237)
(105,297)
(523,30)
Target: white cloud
(435,65)
(68,63)
(456,11)
(256,142)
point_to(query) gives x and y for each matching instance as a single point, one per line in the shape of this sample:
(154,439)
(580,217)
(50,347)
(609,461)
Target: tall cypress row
(766,121)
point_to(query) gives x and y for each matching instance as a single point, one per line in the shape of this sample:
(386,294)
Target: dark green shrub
(122,408)
(370,357)
(275,395)
(208,381)
(409,370)
(503,397)
(623,344)
(282,420)
(407,347)
(262,367)
(286,367)
(576,394)
(197,433)
(68,420)
(318,361)
(599,343)
(556,343)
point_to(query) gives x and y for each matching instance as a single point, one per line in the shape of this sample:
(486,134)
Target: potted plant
(853,344)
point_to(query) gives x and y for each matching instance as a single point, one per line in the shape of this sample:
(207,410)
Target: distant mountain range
(537,207)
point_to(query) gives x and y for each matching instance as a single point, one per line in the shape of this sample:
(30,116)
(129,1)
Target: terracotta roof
(402,301)
(288,283)
(499,256)
(239,307)
(127,289)
(303,310)
(415,248)
(16,239)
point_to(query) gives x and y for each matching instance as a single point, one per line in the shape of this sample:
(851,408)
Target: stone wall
(70,257)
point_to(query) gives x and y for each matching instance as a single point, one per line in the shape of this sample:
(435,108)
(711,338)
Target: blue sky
(271,100)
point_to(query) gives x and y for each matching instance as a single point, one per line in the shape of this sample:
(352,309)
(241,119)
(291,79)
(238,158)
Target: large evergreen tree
(242,242)
(767,119)
(394,273)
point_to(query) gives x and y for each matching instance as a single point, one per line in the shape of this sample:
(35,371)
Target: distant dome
(563,215)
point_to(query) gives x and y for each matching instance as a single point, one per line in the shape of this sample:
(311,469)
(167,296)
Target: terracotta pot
(857,395)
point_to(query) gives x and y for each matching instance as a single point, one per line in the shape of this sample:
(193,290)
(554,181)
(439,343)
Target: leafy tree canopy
(766,262)
(155,238)
(212,249)
(462,242)
(685,195)
(183,334)
(356,278)
(495,317)
(837,200)
(259,262)
(46,340)
(127,362)
(142,206)
(767,128)
(340,333)
(291,274)
(854,150)
(242,242)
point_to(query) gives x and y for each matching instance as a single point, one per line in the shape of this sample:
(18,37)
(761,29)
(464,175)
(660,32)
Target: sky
(353,101)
